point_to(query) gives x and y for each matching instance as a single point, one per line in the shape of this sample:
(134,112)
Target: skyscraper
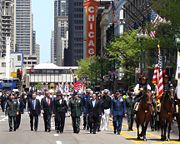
(8,24)
(24,27)
(75,19)
(52,47)
(60,29)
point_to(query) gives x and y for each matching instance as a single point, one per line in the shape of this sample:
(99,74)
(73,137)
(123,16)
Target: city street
(24,136)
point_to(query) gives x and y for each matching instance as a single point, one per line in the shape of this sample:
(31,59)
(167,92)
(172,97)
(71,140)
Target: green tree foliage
(170,9)
(92,68)
(126,50)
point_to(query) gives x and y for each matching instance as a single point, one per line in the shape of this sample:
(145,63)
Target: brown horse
(166,113)
(143,115)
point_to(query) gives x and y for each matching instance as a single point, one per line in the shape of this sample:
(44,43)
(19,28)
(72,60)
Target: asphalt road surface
(24,136)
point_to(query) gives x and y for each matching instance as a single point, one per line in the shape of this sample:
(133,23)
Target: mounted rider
(141,90)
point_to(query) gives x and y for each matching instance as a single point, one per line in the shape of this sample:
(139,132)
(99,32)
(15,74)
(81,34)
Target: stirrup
(158,107)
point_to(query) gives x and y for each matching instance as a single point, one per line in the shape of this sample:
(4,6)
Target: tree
(170,9)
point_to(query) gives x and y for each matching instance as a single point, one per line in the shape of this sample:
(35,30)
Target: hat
(58,93)
(166,76)
(106,91)
(144,78)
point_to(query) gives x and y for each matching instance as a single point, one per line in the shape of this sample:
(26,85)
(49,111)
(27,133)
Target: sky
(43,17)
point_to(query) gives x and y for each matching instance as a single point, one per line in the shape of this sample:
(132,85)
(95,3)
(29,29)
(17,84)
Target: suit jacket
(60,107)
(48,109)
(94,111)
(37,109)
(21,105)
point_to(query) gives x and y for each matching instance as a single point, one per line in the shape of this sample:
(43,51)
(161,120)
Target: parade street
(25,136)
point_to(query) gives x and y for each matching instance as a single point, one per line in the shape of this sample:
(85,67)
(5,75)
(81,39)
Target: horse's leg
(162,130)
(138,136)
(144,131)
(165,128)
(169,129)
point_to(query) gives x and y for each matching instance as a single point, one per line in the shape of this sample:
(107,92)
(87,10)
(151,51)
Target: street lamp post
(140,36)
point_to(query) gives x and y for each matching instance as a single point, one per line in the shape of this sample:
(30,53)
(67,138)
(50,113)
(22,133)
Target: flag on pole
(158,81)
(158,76)
(178,75)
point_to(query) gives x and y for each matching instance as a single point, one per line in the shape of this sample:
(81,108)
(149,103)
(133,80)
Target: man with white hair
(105,105)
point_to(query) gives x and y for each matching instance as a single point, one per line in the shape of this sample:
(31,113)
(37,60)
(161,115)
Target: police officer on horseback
(140,90)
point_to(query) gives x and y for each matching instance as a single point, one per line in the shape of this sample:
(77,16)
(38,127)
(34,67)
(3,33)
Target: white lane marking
(4,119)
(58,142)
(56,135)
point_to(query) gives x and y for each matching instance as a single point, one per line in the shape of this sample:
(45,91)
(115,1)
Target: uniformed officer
(140,90)
(129,109)
(12,110)
(75,105)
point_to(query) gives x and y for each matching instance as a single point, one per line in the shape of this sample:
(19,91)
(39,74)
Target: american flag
(152,34)
(158,81)
(158,76)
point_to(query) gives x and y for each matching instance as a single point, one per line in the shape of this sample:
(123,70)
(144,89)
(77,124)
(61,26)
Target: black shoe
(90,131)
(14,129)
(49,130)
(94,132)
(31,129)
(57,131)
(35,129)
(10,130)
(114,132)
(84,128)
(45,130)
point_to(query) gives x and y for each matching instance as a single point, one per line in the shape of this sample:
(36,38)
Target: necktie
(48,102)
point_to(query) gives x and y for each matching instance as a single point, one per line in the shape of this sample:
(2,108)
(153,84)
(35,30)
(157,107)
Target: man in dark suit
(60,109)
(34,110)
(94,112)
(47,109)
(21,106)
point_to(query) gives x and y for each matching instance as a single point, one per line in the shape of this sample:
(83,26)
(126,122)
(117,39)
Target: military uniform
(75,105)
(130,111)
(12,110)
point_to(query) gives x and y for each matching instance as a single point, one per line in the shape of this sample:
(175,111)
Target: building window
(3,64)
(19,58)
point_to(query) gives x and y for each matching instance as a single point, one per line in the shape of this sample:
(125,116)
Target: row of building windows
(47,71)
(78,3)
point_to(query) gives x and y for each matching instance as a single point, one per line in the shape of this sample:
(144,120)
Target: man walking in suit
(94,112)
(34,110)
(60,109)
(47,109)
(21,106)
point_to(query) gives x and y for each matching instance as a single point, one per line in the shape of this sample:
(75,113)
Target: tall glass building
(24,27)
(75,19)
(60,30)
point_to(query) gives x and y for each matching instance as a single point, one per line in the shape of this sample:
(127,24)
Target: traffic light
(19,74)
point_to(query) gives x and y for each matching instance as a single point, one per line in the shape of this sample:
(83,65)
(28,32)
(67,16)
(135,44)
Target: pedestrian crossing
(152,137)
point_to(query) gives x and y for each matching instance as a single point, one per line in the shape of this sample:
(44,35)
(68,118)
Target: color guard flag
(158,81)
(178,75)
